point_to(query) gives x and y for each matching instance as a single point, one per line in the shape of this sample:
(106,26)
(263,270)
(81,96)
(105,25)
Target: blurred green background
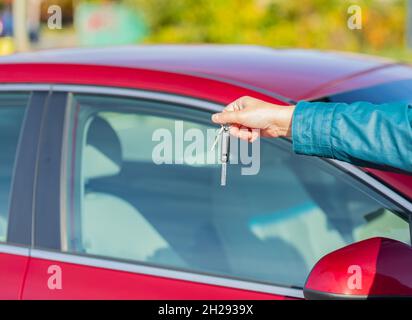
(315,24)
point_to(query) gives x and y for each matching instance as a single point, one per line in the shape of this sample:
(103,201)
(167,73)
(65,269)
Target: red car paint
(382,74)
(400,182)
(219,74)
(383,267)
(12,275)
(295,74)
(122,77)
(85,282)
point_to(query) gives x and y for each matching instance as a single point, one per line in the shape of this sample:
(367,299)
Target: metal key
(224,136)
(217,138)
(225,153)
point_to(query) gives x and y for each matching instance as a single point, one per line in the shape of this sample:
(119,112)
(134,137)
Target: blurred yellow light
(6,46)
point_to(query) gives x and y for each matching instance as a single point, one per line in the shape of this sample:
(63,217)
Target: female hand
(250,118)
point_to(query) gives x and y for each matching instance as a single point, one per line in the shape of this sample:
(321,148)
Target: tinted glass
(270,227)
(397,91)
(12,110)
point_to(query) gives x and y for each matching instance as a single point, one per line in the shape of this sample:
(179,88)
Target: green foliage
(318,24)
(279,23)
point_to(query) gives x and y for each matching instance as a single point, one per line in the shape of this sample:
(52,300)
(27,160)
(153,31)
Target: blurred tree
(281,23)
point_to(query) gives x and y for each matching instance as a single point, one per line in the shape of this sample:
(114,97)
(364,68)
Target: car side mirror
(373,268)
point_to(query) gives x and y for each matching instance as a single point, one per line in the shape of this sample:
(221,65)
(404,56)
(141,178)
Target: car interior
(178,216)
(11,118)
(118,220)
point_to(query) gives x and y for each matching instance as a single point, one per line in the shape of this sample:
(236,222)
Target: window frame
(52,249)
(19,228)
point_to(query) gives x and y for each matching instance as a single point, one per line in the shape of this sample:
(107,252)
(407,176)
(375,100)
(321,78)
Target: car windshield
(396,91)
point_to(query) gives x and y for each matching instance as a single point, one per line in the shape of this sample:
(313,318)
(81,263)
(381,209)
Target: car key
(224,136)
(225,154)
(217,138)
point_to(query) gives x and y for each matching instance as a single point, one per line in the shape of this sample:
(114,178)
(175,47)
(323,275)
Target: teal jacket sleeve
(360,133)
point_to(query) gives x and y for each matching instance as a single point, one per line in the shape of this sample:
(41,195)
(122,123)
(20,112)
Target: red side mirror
(373,268)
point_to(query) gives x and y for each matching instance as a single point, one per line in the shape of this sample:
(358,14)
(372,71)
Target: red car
(86,213)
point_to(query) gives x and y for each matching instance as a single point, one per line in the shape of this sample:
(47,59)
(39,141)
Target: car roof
(291,73)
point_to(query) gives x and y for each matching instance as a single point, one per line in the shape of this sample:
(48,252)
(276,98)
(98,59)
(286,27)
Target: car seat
(110,225)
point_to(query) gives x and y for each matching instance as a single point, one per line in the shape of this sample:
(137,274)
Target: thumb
(225,117)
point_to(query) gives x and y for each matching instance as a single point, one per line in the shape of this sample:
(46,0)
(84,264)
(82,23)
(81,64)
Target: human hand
(247,114)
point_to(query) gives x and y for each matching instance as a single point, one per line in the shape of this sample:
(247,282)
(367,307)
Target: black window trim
(46,213)
(19,229)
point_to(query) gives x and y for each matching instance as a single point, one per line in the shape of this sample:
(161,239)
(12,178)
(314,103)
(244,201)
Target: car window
(12,110)
(395,91)
(270,227)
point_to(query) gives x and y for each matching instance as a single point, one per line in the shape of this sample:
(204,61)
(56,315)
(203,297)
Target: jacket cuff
(311,128)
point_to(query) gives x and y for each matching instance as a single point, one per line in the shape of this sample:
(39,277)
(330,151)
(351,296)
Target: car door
(20,117)
(130,205)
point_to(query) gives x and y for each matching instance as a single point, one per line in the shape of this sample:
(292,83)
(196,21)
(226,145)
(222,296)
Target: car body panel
(13,269)
(402,183)
(89,282)
(122,77)
(291,73)
(389,73)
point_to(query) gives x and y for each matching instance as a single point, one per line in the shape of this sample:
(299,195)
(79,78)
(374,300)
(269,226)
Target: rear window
(397,91)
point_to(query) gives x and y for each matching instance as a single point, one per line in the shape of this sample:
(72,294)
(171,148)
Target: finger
(229,107)
(234,106)
(234,130)
(225,117)
(255,135)
(245,134)
(244,137)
